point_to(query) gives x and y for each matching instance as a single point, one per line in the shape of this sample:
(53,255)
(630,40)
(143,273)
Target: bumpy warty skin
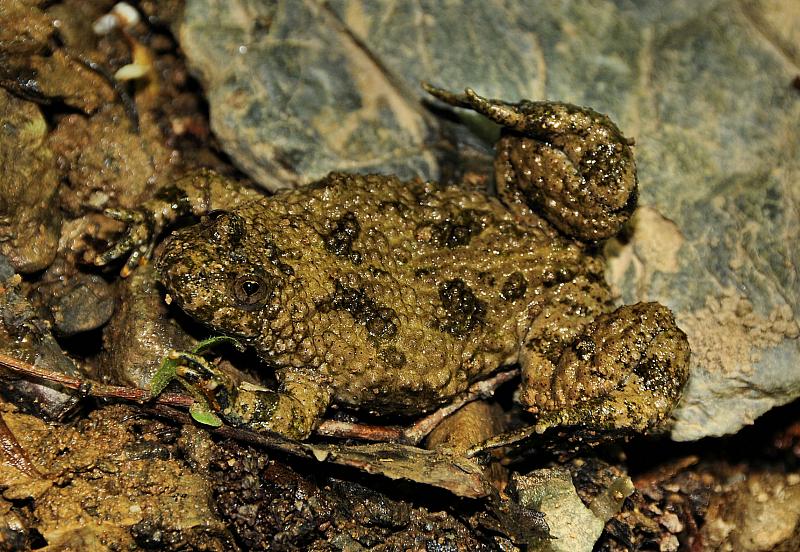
(396,295)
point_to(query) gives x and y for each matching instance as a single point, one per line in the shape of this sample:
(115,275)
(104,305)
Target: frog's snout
(181,269)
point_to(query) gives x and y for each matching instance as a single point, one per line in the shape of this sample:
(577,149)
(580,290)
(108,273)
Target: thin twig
(480,390)
(366,432)
(89,388)
(665,472)
(329,428)
(416,432)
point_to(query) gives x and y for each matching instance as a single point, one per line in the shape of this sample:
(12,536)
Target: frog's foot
(293,412)
(147,221)
(567,163)
(625,372)
(137,242)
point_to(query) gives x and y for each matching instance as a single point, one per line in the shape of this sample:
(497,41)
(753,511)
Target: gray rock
(293,95)
(573,526)
(718,159)
(298,89)
(86,303)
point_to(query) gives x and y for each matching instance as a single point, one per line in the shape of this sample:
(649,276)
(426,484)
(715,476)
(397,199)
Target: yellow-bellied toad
(394,296)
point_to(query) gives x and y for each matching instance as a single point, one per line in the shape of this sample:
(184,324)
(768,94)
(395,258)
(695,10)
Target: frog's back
(402,293)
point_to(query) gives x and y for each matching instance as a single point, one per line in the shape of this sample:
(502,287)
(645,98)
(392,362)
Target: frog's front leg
(293,411)
(197,193)
(626,370)
(570,164)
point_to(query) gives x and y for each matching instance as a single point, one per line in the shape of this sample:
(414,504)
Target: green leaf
(163,376)
(203,415)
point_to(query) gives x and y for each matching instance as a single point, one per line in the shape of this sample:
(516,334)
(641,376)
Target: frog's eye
(251,291)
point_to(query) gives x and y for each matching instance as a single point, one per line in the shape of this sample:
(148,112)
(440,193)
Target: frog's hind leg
(566,163)
(625,371)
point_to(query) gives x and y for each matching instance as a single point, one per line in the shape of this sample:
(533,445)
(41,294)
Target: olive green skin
(394,296)
(372,318)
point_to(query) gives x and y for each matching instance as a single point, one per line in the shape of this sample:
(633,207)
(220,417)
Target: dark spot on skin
(595,277)
(558,275)
(274,254)
(514,287)
(392,357)
(565,274)
(645,370)
(340,240)
(227,228)
(584,348)
(464,310)
(176,197)
(381,322)
(486,278)
(376,272)
(658,376)
(457,230)
(392,206)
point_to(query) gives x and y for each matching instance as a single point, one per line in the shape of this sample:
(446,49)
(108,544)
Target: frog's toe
(452,98)
(194,368)
(502,113)
(498,111)
(626,371)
